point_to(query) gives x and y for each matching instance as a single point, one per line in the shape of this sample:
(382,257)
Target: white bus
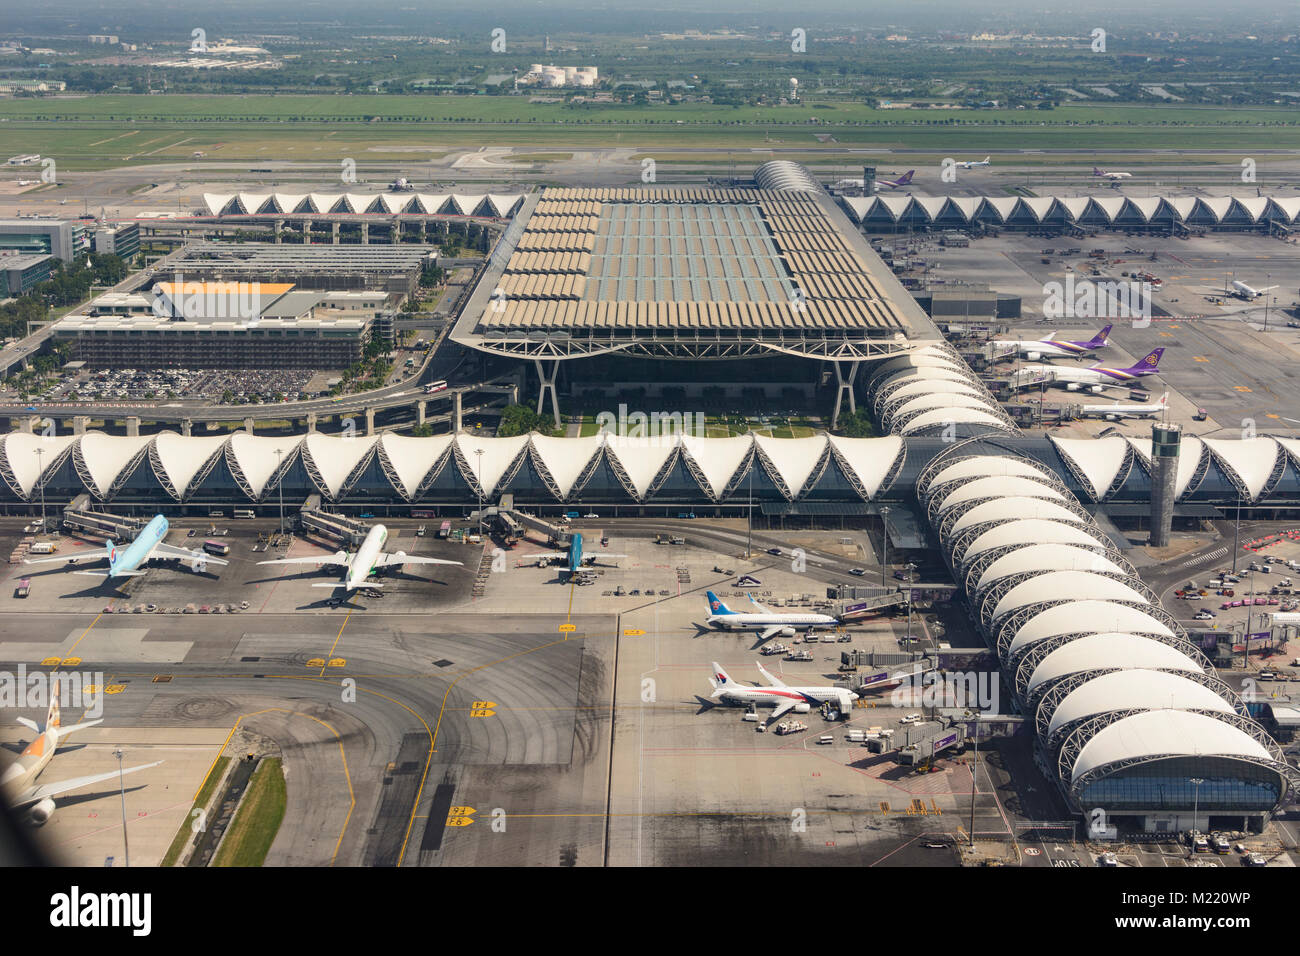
(437,386)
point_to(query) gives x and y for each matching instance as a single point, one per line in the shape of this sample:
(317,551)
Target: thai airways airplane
(903,180)
(1105,175)
(782,696)
(768,622)
(1243,291)
(358,565)
(1115,413)
(971,164)
(125,561)
(19,780)
(574,558)
(1053,348)
(1093,379)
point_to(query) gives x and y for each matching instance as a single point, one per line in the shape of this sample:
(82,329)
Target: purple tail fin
(1099,340)
(906,177)
(1148,363)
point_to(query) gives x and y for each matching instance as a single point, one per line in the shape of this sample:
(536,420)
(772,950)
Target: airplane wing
(37,794)
(782,707)
(342,558)
(769,632)
(761,609)
(163,550)
(773,681)
(69,558)
(387,560)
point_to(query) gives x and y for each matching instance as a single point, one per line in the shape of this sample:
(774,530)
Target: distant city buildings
(554,77)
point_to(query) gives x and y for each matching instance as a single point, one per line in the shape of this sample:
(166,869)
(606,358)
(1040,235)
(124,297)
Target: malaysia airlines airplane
(125,561)
(1105,175)
(971,164)
(766,621)
(903,180)
(782,696)
(1053,348)
(1092,379)
(358,565)
(18,783)
(1243,291)
(1116,413)
(574,558)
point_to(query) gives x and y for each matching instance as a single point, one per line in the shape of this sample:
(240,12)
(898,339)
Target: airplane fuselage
(363,563)
(129,558)
(744,622)
(804,698)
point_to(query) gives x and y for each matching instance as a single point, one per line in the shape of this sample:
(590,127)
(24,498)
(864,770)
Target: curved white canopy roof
(987,465)
(1165,732)
(498,455)
(566,458)
(335,457)
(182,456)
(1132,690)
(1011,508)
(1251,459)
(104,457)
(957,416)
(641,458)
(256,457)
(924,385)
(930,374)
(1046,557)
(869,458)
(1074,616)
(793,458)
(20,453)
(1097,459)
(1110,649)
(1031,529)
(1063,585)
(923,403)
(999,486)
(411,458)
(717,458)
(1189,458)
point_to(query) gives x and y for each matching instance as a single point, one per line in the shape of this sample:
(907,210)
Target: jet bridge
(348,532)
(79,516)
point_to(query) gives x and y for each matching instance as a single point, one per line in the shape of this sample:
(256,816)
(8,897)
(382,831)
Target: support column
(370,421)
(420,408)
(457,412)
(277,228)
(187,428)
(81,422)
(133,426)
(365,233)
(844,386)
(248,425)
(548,385)
(29,424)
(334,232)
(396,234)
(306,232)
(312,418)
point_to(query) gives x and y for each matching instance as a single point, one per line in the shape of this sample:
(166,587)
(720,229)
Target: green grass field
(215,775)
(257,821)
(97,132)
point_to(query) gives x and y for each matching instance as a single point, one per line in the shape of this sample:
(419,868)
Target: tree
(855,425)
(520,420)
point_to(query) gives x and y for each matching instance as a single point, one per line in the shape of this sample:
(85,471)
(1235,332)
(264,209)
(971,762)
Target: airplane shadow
(64,800)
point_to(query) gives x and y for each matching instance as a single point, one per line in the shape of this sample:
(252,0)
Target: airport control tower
(1165,443)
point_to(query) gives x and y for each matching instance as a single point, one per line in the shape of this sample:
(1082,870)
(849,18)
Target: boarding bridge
(870,607)
(554,532)
(79,517)
(923,742)
(348,532)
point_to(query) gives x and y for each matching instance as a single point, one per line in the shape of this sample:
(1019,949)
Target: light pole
(1236,530)
(40,473)
(884,534)
(974,772)
(1196,807)
(279,463)
(126,848)
(478,474)
(1267,276)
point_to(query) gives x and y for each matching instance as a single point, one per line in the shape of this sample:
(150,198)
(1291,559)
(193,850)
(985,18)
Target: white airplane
(18,783)
(784,697)
(1053,348)
(1092,379)
(1116,413)
(768,622)
(1105,175)
(1243,291)
(971,164)
(125,562)
(358,565)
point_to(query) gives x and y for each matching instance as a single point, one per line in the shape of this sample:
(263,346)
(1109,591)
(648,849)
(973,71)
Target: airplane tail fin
(987,158)
(1100,339)
(720,680)
(1098,172)
(717,605)
(906,177)
(52,718)
(1149,362)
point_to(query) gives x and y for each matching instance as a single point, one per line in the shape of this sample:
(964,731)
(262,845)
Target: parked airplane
(358,565)
(784,697)
(1052,348)
(400,185)
(768,622)
(124,562)
(574,558)
(903,180)
(1105,175)
(1243,291)
(1116,413)
(18,783)
(971,164)
(1092,379)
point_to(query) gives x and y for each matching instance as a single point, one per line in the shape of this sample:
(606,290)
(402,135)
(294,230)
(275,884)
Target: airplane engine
(786,632)
(1112,417)
(1073,386)
(198,561)
(1095,389)
(802,708)
(1034,356)
(41,811)
(399,554)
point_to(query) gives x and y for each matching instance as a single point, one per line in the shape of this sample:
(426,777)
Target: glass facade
(1228,786)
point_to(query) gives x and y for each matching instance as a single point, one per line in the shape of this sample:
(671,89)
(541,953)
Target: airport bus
(24,588)
(219,548)
(444,530)
(243,512)
(438,386)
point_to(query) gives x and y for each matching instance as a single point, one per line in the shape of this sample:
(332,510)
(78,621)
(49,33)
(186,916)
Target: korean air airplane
(124,561)
(766,621)
(778,694)
(574,558)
